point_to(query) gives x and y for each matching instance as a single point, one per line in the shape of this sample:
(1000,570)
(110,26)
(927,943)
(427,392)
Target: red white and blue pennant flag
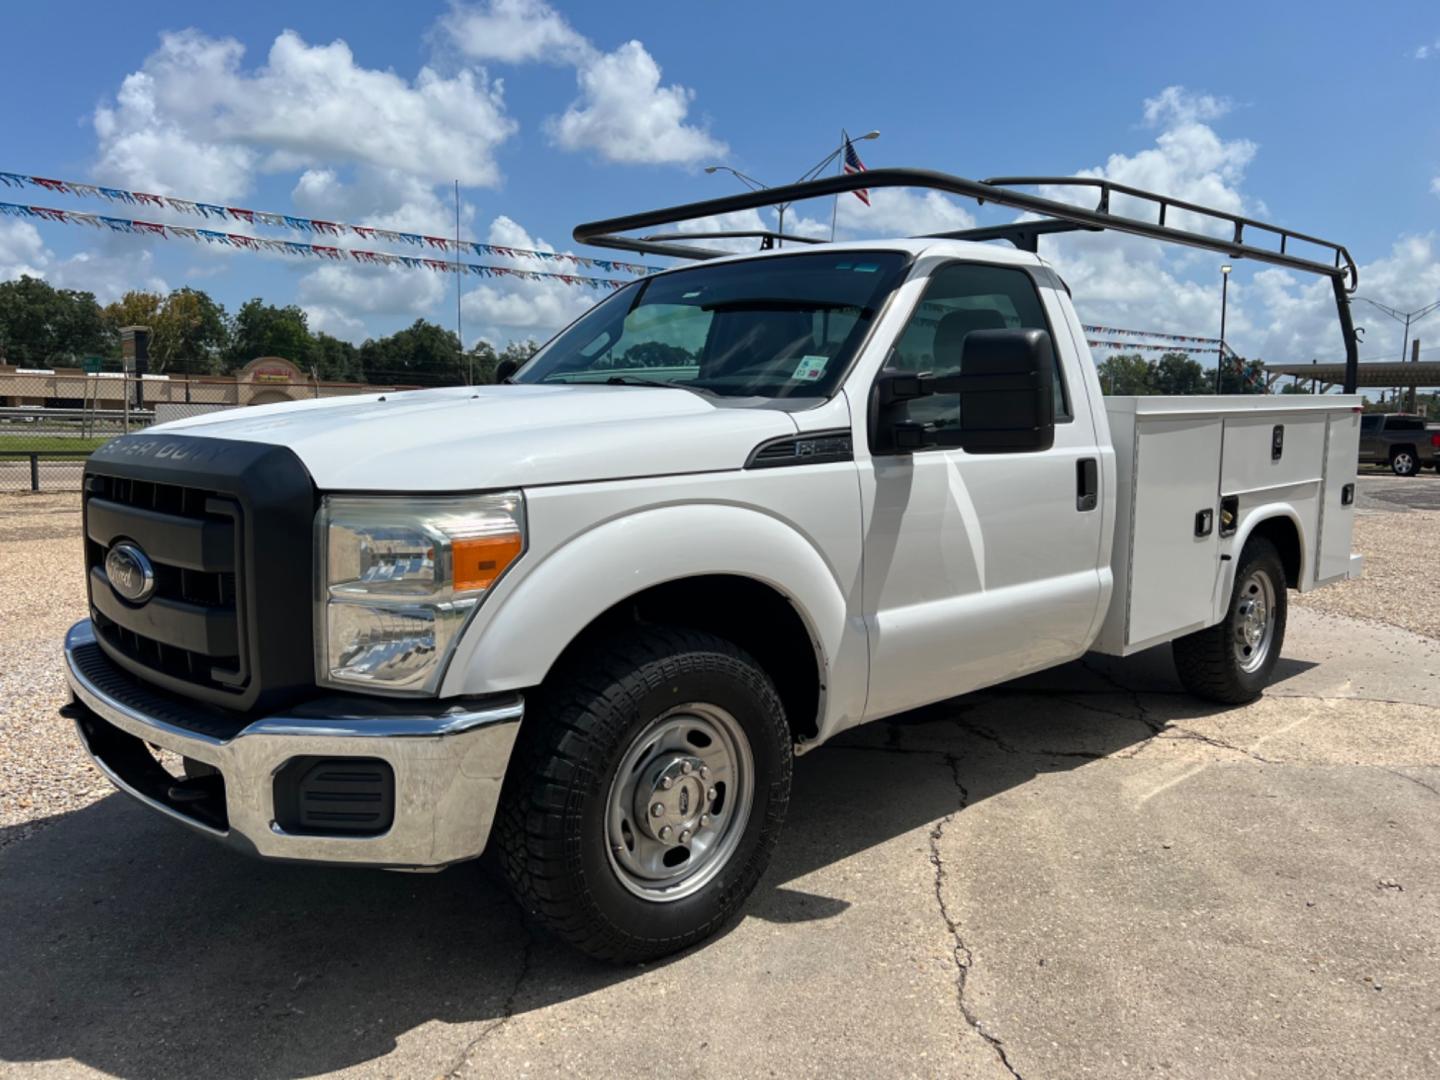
(292,247)
(852,165)
(312,225)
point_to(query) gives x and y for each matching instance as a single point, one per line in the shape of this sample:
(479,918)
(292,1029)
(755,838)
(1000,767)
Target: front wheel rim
(1253,620)
(679,801)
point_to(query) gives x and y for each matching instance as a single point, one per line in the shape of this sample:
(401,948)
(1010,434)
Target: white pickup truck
(587,618)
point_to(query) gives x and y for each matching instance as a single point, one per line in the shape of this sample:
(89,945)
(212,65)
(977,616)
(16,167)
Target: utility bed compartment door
(1271,451)
(1337,506)
(1173,555)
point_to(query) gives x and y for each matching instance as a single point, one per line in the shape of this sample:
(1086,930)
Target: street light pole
(1407,318)
(809,174)
(1224,297)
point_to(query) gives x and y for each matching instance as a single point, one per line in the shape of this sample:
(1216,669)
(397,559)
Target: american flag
(853,165)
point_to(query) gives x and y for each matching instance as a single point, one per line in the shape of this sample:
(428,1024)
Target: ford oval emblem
(130,572)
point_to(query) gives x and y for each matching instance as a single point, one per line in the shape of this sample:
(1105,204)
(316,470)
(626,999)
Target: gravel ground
(1398,532)
(43,773)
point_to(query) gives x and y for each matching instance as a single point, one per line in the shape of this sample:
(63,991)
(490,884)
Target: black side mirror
(1006,389)
(505,369)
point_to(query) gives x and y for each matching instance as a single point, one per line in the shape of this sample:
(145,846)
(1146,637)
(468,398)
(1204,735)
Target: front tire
(1231,662)
(649,786)
(1404,463)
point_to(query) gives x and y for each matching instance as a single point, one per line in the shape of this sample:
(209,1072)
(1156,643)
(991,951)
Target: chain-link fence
(51,421)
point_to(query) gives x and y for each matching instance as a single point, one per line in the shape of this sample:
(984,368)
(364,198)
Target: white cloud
(1272,313)
(1177,105)
(194,122)
(22,252)
(1424,52)
(512,32)
(624,114)
(498,308)
(116,266)
(1435,186)
(384,198)
(324,319)
(374,290)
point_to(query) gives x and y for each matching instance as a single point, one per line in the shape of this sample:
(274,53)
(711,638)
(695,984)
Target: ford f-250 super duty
(585,619)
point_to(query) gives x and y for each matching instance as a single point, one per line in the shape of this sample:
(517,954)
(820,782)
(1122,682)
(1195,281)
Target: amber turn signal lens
(479,561)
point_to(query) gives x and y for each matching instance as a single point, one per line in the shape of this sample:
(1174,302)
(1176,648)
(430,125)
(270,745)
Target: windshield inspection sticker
(810,368)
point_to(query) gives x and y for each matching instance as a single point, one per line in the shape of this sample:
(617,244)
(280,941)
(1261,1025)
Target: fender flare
(514,645)
(1252,519)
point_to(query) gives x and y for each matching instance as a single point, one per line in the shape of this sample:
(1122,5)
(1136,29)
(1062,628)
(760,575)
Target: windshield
(777,327)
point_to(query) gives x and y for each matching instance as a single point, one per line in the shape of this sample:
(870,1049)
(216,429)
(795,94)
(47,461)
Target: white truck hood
(472,437)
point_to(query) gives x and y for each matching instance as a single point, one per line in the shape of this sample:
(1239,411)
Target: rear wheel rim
(1253,621)
(679,801)
(1404,463)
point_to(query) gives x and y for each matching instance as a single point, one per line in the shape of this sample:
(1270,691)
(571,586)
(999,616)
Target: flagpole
(835,206)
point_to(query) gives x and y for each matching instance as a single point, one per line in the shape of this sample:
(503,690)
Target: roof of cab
(916,246)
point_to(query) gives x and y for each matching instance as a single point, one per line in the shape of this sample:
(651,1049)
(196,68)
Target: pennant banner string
(1152,334)
(1127,346)
(292,247)
(313,225)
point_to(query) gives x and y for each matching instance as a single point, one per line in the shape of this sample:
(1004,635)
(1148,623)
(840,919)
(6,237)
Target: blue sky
(1318,115)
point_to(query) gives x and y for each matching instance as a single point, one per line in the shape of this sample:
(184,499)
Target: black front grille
(227,528)
(190,628)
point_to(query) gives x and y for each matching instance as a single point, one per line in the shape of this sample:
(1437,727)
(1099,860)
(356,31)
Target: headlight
(398,577)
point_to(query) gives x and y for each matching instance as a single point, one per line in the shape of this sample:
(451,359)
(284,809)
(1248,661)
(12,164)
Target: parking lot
(1085,873)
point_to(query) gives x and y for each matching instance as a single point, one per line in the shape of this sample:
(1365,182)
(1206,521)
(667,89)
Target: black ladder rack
(1055,217)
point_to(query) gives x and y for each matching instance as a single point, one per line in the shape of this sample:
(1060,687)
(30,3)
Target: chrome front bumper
(448,763)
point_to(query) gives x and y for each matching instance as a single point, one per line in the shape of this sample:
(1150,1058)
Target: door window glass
(960,299)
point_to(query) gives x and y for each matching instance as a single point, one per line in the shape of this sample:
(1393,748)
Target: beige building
(263,381)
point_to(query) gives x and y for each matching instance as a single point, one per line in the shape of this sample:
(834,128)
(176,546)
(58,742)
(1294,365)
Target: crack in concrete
(1417,782)
(1330,699)
(964,958)
(1166,730)
(1008,748)
(507,1010)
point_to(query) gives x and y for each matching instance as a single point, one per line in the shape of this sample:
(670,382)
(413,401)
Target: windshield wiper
(639,380)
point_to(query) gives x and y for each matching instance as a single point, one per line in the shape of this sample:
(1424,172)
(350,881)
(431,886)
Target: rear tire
(1231,662)
(616,830)
(1404,463)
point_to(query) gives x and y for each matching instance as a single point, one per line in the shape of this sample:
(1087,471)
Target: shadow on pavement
(134,947)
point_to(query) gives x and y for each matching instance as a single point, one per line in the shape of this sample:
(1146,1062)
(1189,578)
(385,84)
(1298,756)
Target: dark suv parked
(1403,441)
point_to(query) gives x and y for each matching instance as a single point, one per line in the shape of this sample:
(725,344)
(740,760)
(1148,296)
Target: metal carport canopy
(1370,373)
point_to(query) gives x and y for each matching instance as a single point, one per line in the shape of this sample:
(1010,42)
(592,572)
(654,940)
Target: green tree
(520,351)
(1241,376)
(336,360)
(481,362)
(136,308)
(1177,374)
(41,326)
(189,334)
(656,354)
(263,329)
(1125,374)
(423,354)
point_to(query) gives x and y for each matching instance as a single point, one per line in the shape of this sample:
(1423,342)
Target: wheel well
(746,612)
(1395,448)
(1281,532)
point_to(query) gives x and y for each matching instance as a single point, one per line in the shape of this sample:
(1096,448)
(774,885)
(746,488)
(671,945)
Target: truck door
(977,567)
(1372,446)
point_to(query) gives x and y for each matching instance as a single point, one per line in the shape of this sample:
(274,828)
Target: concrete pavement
(1085,873)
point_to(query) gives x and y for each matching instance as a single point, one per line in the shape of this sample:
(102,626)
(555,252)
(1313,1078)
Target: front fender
(514,645)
